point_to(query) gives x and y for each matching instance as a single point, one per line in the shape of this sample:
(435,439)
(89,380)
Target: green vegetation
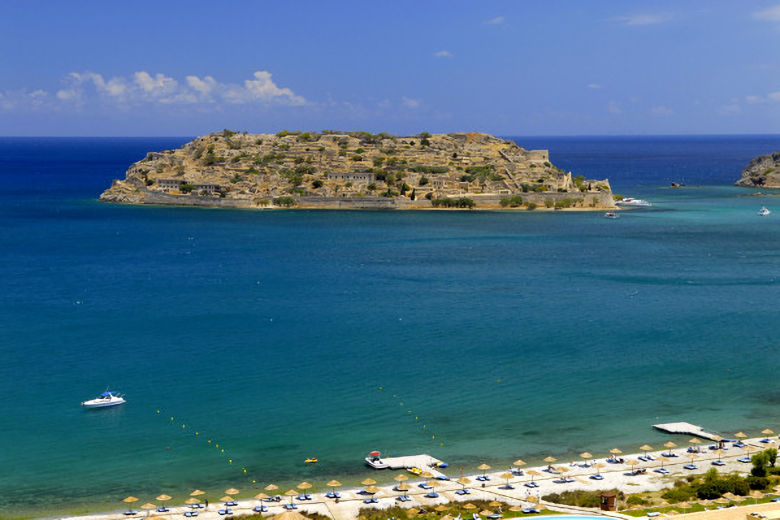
(425,139)
(447,202)
(357,158)
(423,181)
(512,202)
(617,196)
(567,203)
(316,183)
(252,171)
(186,188)
(579,181)
(581,498)
(454,509)
(530,206)
(713,485)
(763,462)
(421,168)
(236,178)
(285,202)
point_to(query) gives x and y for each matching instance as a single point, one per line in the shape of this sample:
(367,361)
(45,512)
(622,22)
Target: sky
(512,67)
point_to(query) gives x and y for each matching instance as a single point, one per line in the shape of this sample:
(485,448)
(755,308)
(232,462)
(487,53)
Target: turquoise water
(472,336)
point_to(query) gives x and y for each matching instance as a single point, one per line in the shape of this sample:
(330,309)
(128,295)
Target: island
(356,170)
(762,172)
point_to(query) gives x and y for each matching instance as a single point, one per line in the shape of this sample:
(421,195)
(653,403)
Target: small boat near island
(630,201)
(374,460)
(611,214)
(763,212)
(105,399)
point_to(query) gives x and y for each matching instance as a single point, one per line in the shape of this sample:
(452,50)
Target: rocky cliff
(355,170)
(763,171)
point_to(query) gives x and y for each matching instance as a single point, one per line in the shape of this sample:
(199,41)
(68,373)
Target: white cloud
(443,54)
(410,102)
(730,110)
(614,108)
(594,85)
(642,19)
(204,86)
(156,86)
(263,88)
(662,110)
(144,87)
(771,97)
(770,14)
(498,20)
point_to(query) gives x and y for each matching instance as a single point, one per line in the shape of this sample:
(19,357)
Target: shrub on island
(447,202)
(285,202)
(512,202)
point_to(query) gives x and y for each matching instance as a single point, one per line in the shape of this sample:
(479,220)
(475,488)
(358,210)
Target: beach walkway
(616,475)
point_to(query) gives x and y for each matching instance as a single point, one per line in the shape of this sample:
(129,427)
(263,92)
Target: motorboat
(763,212)
(375,461)
(414,470)
(107,398)
(611,214)
(311,460)
(630,201)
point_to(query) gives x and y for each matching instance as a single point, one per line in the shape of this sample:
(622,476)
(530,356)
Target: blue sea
(248,341)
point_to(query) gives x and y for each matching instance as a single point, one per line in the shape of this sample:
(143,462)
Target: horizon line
(171,136)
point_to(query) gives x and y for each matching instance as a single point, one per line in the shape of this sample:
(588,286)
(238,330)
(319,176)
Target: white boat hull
(377,463)
(103,403)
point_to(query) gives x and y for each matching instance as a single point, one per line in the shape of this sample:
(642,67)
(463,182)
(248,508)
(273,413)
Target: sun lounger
(475,516)
(691,466)
(162,509)
(718,463)
(494,517)
(775,499)
(529,510)
(669,454)
(190,514)
(442,477)
(130,512)
(517,472)
(290,506)
(739,444)
(231,504)
(642,458)
(432,494)
(662,471)
(425,486)
(224,512)
(260,509)
(301,497)
(506,486)
(653,514)
(597,476)
(745,460)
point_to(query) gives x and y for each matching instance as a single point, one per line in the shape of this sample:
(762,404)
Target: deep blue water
(473,336)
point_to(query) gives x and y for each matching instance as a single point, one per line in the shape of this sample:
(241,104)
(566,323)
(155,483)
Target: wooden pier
(685,428)
(425,462)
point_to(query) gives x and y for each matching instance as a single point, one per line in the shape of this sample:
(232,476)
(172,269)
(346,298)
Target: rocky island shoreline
(762,172)
(356,170)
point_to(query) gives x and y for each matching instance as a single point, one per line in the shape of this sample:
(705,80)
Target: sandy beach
(615,476)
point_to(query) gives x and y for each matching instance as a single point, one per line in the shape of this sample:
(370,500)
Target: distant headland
(356,170)
(762,172)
